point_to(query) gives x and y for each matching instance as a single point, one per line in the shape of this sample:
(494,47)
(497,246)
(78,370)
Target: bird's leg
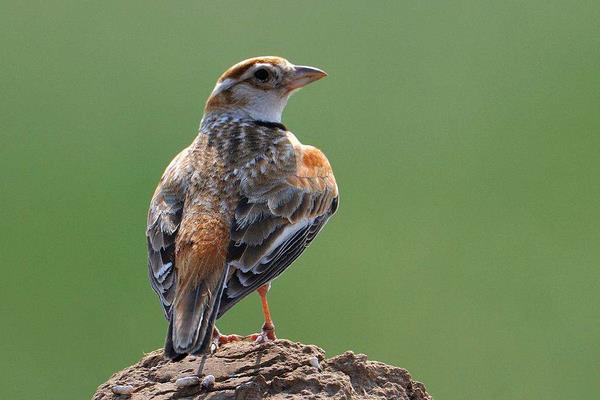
(268,328)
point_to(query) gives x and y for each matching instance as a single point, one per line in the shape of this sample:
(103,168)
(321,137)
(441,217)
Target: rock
(314,361)
(208,382)
(123,390)
(187,381)
(273,370)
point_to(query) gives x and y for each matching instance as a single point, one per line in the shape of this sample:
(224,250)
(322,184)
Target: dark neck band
(272,125)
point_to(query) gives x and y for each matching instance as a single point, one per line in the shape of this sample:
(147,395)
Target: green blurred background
(464,136)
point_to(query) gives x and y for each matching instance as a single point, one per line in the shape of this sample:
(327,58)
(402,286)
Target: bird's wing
(164,218)
(276,220)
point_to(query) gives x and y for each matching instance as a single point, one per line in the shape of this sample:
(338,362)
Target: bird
(236,207)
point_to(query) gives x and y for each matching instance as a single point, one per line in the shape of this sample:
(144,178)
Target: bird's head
(259,87)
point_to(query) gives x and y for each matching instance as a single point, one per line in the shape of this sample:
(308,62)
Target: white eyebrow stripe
(223,85)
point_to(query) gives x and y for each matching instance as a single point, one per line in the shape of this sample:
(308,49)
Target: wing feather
(276,220)
(164,218)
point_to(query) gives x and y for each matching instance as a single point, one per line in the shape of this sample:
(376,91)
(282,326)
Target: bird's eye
(261,74)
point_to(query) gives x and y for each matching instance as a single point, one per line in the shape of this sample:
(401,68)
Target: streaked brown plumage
(238,206)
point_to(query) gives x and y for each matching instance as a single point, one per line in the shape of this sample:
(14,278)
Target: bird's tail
(193,317)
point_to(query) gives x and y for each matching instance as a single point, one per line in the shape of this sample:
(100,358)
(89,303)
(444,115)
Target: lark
(234,209)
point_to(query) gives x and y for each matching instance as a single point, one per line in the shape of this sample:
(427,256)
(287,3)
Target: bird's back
(239,205)
(206,183)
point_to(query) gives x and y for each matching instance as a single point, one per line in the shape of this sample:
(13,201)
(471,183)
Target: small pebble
(314,361)
(124,390)
(187,381)
(208,382)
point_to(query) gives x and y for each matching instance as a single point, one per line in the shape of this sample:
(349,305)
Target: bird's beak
(304,75)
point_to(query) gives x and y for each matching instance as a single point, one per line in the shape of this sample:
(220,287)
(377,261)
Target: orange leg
(268,327)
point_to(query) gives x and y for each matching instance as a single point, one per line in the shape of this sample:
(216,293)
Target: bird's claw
(268,330)
(267,334)
(260,337)
(219,340)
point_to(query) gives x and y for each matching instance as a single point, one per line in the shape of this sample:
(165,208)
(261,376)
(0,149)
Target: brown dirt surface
(274,370)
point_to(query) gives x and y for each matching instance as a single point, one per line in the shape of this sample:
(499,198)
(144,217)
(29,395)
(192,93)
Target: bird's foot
(224,339)
(267,334)
(219,340)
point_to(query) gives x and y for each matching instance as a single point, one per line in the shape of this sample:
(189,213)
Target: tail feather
(170,352)
(192,318)
(208,329)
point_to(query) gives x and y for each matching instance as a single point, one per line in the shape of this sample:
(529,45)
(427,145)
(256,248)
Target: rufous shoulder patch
(314,158)
(312,162)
